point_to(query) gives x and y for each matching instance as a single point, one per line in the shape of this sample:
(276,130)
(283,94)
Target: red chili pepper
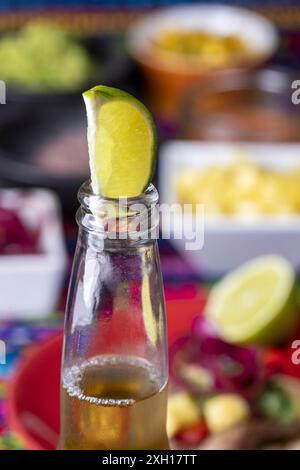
(279,361)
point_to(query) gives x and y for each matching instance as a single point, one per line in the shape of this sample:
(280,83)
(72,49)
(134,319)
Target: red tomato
(192,435)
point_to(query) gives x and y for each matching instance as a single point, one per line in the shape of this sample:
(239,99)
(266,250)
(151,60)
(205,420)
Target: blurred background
(217,77)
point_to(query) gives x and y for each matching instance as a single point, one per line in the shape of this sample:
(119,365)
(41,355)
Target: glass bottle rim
(86,197)
(136,218)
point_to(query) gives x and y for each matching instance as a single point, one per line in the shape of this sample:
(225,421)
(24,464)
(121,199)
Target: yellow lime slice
(256,303)
(121,141)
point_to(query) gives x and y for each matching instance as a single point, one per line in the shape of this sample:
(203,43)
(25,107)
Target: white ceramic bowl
(30,284)
(231,240)
(251,27)
(168,76)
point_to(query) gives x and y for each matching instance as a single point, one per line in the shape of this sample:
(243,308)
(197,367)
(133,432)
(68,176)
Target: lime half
(256,303)
(121,141)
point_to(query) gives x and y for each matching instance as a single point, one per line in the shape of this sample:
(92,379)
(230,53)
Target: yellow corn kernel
(224,411)
(182,412)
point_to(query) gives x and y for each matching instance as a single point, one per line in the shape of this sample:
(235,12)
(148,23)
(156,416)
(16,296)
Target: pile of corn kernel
(219,413)
(210,49)
(242,188)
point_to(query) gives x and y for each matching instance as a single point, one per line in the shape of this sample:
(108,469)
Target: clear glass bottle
(115,365)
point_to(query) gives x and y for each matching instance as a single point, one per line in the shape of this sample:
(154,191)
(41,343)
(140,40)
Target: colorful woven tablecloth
(19,337)
(179,277)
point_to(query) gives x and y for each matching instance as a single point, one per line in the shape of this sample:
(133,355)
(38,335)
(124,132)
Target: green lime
(121,141)
(256,303)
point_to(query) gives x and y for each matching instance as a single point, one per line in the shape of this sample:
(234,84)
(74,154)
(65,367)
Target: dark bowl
(39,135)
(112,67)
(31,121)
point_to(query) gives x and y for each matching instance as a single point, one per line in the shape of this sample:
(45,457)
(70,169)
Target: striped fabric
(23,4)
(115,15)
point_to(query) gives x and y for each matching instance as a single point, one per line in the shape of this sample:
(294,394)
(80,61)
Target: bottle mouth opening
(86,196)
(135,217)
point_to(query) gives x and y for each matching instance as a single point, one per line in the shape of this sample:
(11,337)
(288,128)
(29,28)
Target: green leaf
(275,403)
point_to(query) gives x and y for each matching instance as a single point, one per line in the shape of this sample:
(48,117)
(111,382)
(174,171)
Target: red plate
(34,390)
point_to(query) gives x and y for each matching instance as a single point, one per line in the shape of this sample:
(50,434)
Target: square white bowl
(30,284)
(231,240)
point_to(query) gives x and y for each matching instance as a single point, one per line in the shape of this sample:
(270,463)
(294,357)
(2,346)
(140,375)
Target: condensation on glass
(115,365)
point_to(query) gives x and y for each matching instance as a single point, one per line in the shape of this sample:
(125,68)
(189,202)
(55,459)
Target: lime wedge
(256,303)
(121,141)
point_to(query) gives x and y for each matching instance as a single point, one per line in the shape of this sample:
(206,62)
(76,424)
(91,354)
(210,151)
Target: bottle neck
(118,222)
